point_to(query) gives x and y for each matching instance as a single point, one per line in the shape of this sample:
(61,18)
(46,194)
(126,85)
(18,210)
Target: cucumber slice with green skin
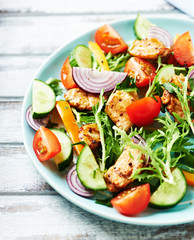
(141,26)
(64,158)
(80,57)
(43,99)
(165,74)
(168,195)
(88,170)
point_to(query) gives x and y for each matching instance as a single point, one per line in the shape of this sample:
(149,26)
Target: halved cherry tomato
(66,75)
(132,201)
(189,177)
(143,111)
(109,40)
(183,50)
(141,69)
(45,144)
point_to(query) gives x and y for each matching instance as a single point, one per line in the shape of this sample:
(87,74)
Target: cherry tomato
(132,201)
(66,75)
(141,69)
(45,144)
(189,177)
(172,60)
(143,111)
(183,50)
(109,40)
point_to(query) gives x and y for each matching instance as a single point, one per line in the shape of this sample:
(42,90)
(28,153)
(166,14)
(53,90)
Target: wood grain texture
(53,217)
(16,73)
(85,7)
(10,122)
(18,174)
(29,207)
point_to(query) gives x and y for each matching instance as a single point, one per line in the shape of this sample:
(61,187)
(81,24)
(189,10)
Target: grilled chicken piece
(80,99)
(118,176)
(173,104)
(90,134)
(149,49)
(116,108)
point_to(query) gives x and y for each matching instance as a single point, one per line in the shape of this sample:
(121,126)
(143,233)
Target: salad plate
(181,213)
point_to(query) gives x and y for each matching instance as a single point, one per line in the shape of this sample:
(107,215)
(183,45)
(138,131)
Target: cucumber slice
(141,26)
(165,74)
(81,57)
(43,99)
(63,159)
(168,195)
(88,170)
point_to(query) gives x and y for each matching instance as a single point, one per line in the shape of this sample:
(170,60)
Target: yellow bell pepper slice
(69,122)
(99,55)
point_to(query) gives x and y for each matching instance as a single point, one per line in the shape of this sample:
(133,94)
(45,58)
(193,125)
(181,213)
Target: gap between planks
(42,14)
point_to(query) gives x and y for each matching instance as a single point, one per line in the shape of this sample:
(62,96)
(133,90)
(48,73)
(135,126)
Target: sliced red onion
(35,123)
(138,139)
(93,81)
(75,184)
(162,35)
(191,74)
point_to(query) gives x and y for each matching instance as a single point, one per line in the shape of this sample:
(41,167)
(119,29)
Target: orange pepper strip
(98,53)
(69,122)
(189,177)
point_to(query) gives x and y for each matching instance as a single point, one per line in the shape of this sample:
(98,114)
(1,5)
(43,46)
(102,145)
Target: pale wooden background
(29,32)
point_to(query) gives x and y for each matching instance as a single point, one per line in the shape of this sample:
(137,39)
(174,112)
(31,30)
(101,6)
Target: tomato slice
(109,40)
(66,75)
(132,201)
(143,111)
(45,144)
(142,70)
(183,50)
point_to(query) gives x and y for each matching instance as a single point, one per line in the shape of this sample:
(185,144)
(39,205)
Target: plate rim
(131,220)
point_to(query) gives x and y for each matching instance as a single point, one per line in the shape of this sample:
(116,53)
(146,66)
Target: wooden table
(29,32)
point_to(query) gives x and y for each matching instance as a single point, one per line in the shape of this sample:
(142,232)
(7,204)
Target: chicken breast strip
(149,49)
(118,176)
(80,99)
(116,108)
(90,134)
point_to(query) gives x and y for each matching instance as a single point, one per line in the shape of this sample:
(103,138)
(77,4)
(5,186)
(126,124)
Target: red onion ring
(138,139)
(191,75)
(162,35)
(93,81)
(75,184)
(35,123)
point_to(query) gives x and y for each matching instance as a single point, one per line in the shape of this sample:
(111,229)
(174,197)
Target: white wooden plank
(18,175)
(52,217)
(10,122)
(16,73)
(43,35)
(87,6)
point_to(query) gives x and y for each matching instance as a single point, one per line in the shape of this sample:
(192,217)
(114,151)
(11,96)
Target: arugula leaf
(191,97)
(97,114)
(116,62)
(128,85)
(183,98)
(86,117)
(105,201)
(187,162)
(110,143)
(54,84)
